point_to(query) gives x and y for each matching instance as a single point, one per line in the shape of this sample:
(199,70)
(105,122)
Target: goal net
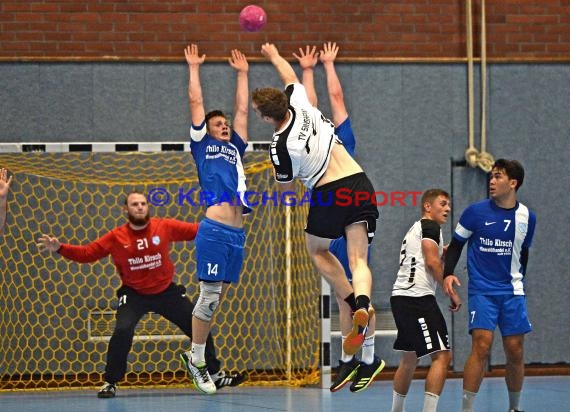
(57,315)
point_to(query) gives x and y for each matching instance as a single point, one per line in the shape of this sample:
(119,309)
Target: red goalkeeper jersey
(141,256)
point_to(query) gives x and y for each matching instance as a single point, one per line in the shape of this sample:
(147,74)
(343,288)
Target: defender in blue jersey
(217,151)
(498,232)
(360,372)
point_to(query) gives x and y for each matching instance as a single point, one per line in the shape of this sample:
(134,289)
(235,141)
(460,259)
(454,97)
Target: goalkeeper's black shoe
(108,390)
(223,378)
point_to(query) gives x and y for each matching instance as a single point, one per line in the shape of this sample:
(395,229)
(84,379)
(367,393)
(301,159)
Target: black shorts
(338,204)
(421,325)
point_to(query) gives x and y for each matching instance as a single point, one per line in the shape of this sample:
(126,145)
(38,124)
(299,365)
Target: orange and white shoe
(355,338)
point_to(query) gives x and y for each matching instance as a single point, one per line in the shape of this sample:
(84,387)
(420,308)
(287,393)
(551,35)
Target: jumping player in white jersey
(360,372)
(306,147)
(499,233)
(421,326)
(217,151)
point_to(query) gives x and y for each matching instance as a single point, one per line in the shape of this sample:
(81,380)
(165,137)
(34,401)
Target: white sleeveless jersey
(302,148)
(413,279)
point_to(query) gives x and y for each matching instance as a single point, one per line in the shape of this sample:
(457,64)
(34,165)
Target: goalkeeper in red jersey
(140,252)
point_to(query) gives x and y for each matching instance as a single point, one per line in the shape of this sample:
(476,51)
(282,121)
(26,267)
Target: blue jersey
(346,136)
(220,169)
(496,238)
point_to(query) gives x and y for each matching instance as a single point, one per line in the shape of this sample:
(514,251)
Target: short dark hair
(512,168)
(271,102)
(430,195)
(214,113)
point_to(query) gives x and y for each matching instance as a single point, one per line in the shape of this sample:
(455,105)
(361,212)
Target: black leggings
(172,304)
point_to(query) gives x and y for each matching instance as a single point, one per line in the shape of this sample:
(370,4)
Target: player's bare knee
(514,355)
(408,361)
(317,246)
(481,349)
(358,264)
(442,357)
(208,300)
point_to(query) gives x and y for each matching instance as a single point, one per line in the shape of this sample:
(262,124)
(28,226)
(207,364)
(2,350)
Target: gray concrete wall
(410,121)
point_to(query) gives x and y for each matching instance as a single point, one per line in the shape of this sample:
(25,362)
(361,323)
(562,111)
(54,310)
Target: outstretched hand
(307,58)
(269,51)
(46,242)
(238,61)
(4,182)
(192,56)
(329,52)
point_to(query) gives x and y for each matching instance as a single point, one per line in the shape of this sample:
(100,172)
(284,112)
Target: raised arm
(4,189)
(336,96)
(308,59)
(284,69)
(82,254)
(194,60)
(241,66)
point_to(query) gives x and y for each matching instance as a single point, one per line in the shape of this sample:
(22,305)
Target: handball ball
(252,18)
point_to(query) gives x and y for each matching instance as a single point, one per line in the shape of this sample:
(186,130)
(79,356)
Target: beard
(138,221)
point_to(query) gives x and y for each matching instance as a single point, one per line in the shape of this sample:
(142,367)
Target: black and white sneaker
(223,378)
(366,374)
(346,372)
(199,374)
(108,390)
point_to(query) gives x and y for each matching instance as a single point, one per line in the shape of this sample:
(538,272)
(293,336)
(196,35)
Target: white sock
(398,401)
(467,403)
(514,400)
(430,402)
(344,356)
(197,353)
(368,350)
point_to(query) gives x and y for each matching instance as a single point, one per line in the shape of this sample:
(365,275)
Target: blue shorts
(346,135)
(219,251)
(506,311)
(338,248)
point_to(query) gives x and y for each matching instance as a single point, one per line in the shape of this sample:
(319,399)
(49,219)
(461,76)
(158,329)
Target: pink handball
(252,18)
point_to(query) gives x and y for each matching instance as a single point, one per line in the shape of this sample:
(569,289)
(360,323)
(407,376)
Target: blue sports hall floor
(541,394)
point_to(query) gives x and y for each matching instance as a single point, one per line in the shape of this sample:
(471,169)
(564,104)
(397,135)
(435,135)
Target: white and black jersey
(413,279)
(301,149)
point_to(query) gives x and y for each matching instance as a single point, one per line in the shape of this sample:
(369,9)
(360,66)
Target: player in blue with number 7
(499,233)
(360,372)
